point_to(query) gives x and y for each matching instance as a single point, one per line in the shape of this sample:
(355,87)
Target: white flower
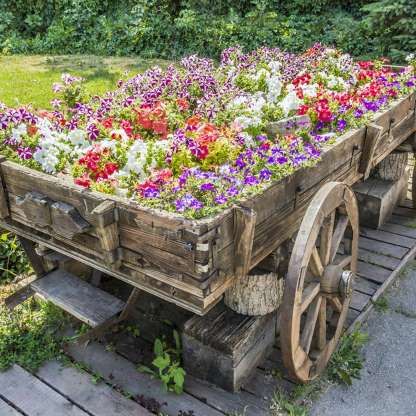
(248,140)
(274,66)
(245,122)
(47,158)
(274,86)
(257,103)
(121,133)
(310,90)
(18,132)
(77,137)
(410,57)
(237,101)
(260,73)
(290,102)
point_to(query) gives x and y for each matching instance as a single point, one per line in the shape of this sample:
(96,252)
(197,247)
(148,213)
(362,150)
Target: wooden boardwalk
(56,390)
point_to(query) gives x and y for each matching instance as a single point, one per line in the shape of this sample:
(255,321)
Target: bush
(173,28)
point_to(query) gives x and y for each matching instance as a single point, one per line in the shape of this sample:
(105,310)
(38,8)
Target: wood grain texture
(87,303)
(7,410)
(33,397)
(97,399)
(117,370)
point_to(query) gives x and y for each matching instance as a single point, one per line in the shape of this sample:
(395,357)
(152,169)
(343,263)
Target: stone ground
(388,380)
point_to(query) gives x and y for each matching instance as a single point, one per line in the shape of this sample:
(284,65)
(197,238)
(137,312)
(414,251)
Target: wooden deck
(56,390)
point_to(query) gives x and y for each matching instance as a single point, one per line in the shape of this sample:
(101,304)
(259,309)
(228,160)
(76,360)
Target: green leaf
(161,362)
(158,347)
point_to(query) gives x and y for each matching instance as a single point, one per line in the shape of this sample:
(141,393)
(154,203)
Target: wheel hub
(335,280)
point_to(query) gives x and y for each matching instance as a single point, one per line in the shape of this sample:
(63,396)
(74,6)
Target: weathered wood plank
(387,237)
(382,248)
(226,402)
(121,372)
(359,300)
(399,229)
(365,286)
(405,221)
(378,259)
(371,272)
(7,410)
(87,303)
(98,399)
(33,397)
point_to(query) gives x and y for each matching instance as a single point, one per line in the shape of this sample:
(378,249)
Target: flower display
(193,138)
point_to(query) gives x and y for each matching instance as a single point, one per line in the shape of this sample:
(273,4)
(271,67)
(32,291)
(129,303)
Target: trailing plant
(166,366)
(13,260)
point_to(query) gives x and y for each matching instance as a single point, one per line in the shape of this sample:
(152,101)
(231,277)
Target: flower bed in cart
(196,138)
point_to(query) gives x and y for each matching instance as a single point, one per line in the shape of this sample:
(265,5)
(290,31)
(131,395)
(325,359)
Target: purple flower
(93,131)
(265,174)
(341,125)
(24,153)
(56,103)
(233,191)
(188,201)
(151,193)
(358,113)
(208,186)
(250,180)
(220,199)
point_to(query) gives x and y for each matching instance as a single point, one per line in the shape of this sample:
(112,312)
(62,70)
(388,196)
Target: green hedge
(174,28)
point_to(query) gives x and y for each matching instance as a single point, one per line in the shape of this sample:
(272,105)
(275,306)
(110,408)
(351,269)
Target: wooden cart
(192,263)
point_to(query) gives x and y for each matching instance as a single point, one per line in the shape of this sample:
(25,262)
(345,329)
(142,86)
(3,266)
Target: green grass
(28,79)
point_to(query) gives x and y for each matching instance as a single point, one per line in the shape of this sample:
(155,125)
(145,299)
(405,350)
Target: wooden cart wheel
(319,281)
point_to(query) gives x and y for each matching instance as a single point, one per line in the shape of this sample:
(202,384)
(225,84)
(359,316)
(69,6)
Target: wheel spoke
(321,330)
(309,294)
(316,264)
(326,238)
(338,236)
(344,261)
(335,303)
(309,328)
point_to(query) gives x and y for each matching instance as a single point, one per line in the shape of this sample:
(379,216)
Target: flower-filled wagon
(181,181)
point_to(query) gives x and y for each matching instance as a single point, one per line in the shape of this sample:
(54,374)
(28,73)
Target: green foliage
(347,362)
(29,334)
(381,304)
(13,259)
(283,405)
(173,28)
(167,365)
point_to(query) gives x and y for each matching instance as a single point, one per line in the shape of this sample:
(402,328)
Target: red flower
(193,121)
(32,130)
(302,79)
(161,127)
(182,103)
(303,109)
(126,126)
(107,123)
(83,181)
(110,168)
(325,116)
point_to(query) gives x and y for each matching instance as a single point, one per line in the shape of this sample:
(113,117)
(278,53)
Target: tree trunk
(255,294)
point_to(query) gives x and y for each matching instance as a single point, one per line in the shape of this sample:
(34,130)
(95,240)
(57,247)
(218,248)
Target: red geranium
(107,123)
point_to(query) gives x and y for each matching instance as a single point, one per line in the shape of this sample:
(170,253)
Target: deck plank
(359,300)
(33,397)
(7,410)
(387,237)
(365,286)
(123,373)
(399,230)
(380,247)
(98,399)
(371,272)
(381,260)
(75,296)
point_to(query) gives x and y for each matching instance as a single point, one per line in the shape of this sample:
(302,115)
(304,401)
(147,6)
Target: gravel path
(388,381)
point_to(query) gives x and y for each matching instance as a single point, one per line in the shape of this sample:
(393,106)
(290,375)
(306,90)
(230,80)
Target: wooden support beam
(372,136)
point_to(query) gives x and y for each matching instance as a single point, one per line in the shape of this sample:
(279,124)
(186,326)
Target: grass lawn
(29,79)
